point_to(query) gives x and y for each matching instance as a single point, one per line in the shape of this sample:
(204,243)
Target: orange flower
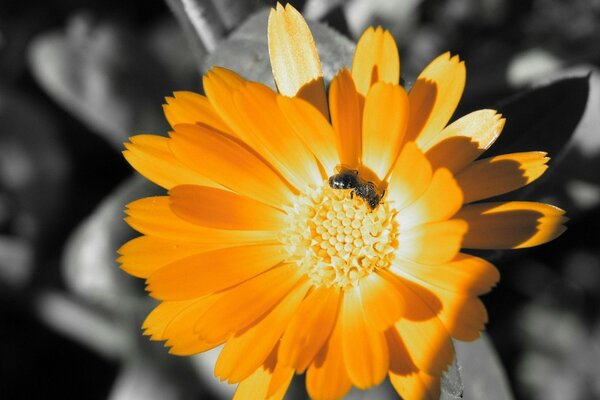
(324,235)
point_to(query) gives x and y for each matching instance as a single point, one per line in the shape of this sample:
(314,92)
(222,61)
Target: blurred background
(78,77)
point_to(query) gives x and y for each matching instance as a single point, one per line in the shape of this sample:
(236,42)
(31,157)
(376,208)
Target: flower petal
(174,322)
(384,125)
(464,316)
(464,274)
(464,140)
(442,199)
(365,350)
(259,383)
(192,108)
(417,385)
(511,225)
(153,216)
(270,134)
(346,118)
(151,156)
(230,163)
(375,59)
(434,97)
(501,174)
(400,361)
(219,85)
(212,271)
(294,57)
(246,351)
(425,337)
(383,305)
(312,128)
(145,254)
(327,378)
(410,177)
(433,243)
(309,328)
(245,303)
(220,209)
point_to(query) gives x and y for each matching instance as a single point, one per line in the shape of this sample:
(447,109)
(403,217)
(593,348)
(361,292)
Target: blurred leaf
(16,261)
(142,379)
(452,385)
(543,118)
(33,166)
(201,24)
(246,52)
(233,12)
(82,323)
(528,66)
(482,373)
(103,75)
(89,261)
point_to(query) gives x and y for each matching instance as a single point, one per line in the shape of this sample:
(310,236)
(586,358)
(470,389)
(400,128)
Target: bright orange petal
(501,174)
(365,350)
(271,135)
(220,84)
(464,140)
(410,177)
(246,351)
(314,130)
(220,209)
(400,361)
(511,225)
(434,97)
(211,271)
(259,384)
(346,118)
(175,321)
(425,337)
(229,162)
(375,59)
(442,199)
(245,303)
(294,57)
(327,378)
(145,254)
(309,328)
(192,108)
(384,125)
(153,216)
(433,243)
(382,303)
(464,274)
(464,316)
(151,156)
(417,386)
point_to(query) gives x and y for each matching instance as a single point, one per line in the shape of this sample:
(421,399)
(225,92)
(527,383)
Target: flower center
(336,238)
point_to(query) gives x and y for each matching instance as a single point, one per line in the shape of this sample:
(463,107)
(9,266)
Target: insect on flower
(350,179)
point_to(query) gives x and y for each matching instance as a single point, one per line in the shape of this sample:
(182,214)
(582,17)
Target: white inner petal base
(336,239)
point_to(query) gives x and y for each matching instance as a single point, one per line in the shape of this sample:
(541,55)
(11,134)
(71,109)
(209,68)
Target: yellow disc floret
(336,238)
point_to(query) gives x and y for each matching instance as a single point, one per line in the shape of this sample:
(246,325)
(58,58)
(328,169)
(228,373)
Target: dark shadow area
(490,178)
(551,112)
(504,229)
(422,100)
(453,153)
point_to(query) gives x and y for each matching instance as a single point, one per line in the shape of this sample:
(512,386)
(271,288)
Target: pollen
(336,239)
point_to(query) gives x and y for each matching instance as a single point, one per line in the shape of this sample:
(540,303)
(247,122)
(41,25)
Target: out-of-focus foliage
(76,82)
